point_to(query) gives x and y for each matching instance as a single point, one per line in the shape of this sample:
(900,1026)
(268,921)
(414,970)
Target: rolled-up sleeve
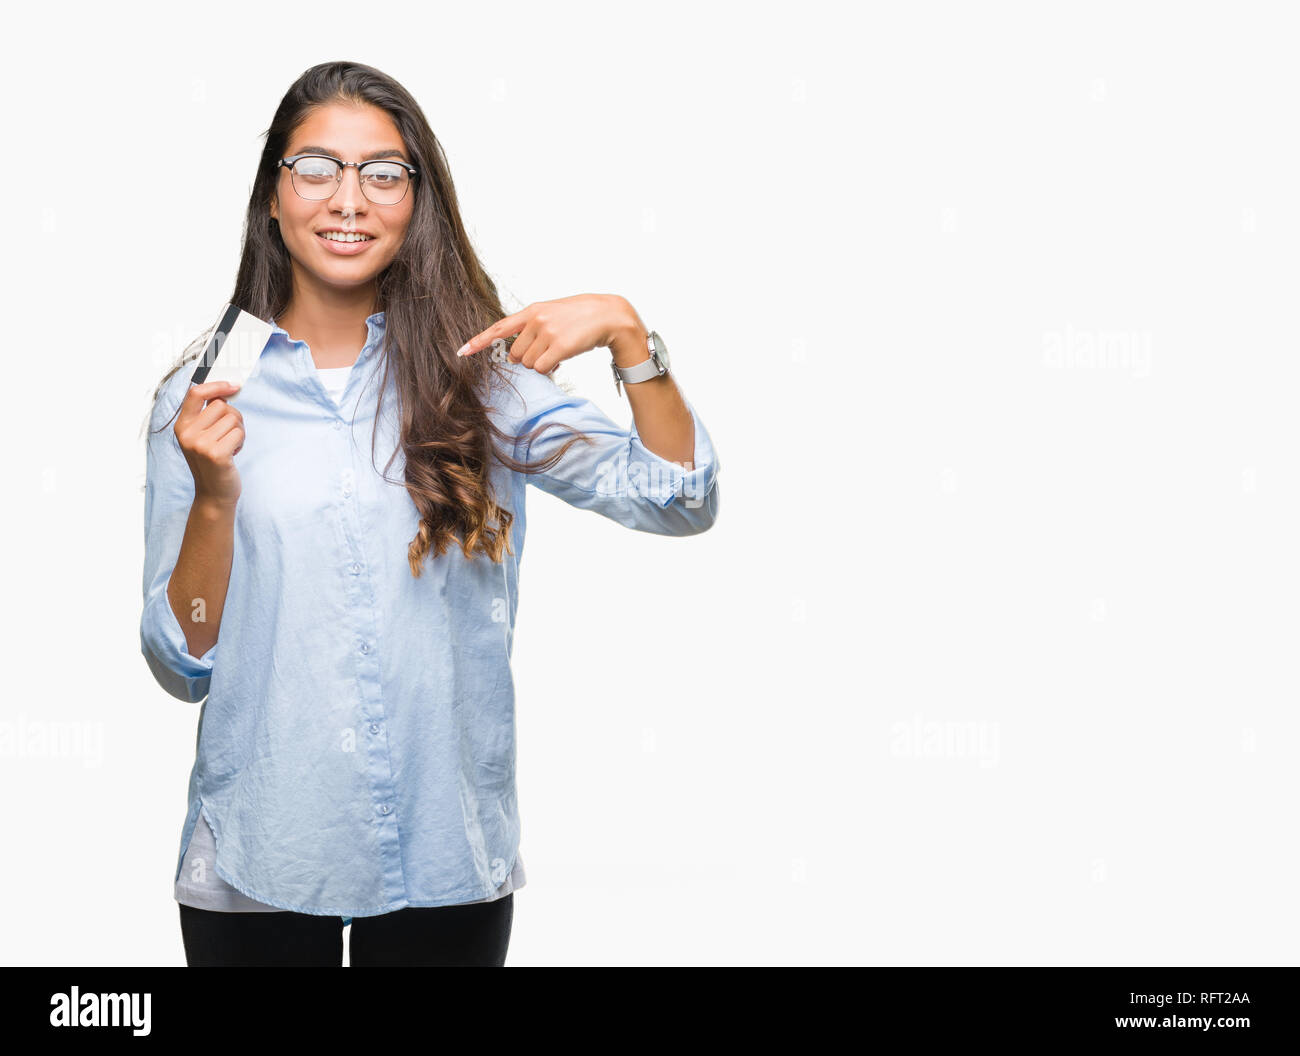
(615,475)
(168,495)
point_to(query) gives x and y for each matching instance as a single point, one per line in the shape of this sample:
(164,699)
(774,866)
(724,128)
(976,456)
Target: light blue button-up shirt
(356,748)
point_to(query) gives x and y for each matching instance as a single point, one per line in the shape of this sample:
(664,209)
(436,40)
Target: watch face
(660,348)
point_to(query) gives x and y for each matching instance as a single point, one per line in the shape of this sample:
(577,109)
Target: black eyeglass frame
(291,161)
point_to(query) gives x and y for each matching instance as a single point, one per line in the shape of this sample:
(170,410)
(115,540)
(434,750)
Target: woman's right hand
(210,436)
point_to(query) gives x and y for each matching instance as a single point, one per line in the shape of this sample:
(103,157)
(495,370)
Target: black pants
(474,934)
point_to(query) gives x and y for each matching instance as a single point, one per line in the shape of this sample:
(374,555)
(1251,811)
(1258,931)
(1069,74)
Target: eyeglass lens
(382,182)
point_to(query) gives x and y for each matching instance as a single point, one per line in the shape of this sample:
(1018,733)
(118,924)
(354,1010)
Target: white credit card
(234,348)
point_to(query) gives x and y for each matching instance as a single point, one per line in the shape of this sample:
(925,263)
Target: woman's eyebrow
(372,156)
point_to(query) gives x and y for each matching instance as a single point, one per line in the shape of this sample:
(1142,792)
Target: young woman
(346,603)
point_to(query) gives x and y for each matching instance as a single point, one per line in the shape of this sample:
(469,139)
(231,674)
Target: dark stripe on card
(209,357)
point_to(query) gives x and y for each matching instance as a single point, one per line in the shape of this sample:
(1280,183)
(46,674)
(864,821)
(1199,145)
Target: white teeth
(344,236)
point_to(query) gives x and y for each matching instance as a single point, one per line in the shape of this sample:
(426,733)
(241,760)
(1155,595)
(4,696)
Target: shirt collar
(374,326)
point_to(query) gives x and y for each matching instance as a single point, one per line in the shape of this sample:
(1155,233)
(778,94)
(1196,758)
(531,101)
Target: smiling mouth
(352,248)
(343,238)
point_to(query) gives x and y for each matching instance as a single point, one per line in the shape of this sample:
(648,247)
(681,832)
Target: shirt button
(336,424)
(385,808)
(374,727)
(355,569)
(347,490)
(365,647)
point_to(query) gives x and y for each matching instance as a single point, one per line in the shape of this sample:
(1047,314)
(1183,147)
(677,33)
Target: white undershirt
(335,380)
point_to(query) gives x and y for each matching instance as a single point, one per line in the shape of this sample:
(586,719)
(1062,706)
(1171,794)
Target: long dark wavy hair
(433,294)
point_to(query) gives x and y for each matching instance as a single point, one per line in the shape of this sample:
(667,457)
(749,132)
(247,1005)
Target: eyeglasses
(317,176)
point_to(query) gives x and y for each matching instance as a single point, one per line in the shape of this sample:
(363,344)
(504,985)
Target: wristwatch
(654,367)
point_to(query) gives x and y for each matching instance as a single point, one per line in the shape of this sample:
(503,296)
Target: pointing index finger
(511,324)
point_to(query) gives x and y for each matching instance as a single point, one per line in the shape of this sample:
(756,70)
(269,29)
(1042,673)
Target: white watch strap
(645,370)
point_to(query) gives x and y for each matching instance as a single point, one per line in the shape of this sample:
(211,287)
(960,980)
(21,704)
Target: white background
(990,311)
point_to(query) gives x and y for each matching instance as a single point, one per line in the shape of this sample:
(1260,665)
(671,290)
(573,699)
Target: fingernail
(463,349)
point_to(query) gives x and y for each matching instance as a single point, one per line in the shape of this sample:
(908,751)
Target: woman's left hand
(553,331)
